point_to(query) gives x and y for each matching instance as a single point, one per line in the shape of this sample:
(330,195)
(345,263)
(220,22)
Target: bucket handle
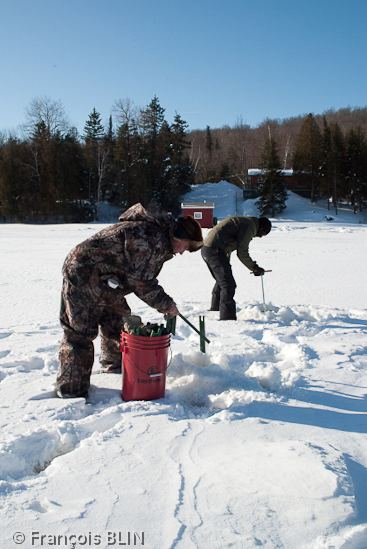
(141,371)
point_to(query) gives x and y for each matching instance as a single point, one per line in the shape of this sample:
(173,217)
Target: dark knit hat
(264,225)
(187,228)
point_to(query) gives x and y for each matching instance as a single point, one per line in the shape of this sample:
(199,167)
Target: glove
(258,271)
(173,311)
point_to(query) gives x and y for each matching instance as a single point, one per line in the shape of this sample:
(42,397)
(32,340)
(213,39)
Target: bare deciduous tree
(48,111)
(125,112)
(287,150)
(102,163)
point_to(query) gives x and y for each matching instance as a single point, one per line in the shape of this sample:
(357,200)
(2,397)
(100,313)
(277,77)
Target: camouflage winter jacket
(234,233)
(131,252)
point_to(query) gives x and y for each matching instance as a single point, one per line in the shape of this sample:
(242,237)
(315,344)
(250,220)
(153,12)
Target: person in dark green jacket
(233,233)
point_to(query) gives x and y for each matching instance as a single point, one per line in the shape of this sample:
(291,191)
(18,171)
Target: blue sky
(214,62)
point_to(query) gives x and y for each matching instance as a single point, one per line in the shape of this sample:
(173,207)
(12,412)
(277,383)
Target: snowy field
(259,442)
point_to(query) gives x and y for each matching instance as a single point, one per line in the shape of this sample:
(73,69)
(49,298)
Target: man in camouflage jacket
(97,275)
(233,233)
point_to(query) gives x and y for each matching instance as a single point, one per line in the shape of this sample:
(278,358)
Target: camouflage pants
(82,316)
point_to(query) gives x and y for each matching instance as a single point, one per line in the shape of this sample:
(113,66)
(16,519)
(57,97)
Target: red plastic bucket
(144,365)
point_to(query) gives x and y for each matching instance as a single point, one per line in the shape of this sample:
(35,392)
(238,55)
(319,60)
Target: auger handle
(192,326)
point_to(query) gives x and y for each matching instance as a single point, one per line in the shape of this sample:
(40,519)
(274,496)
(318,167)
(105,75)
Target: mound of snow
(228,200)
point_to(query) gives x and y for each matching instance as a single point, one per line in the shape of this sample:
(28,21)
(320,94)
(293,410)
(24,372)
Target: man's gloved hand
(173,311)
(258,271)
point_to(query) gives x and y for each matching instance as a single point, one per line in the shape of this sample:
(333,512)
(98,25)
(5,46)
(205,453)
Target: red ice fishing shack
(203,212)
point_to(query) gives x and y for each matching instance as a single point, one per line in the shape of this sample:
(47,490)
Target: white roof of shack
(257,171)
(201,205)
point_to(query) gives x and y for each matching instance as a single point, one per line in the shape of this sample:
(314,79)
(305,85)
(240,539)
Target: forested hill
(227,152)
(50,173)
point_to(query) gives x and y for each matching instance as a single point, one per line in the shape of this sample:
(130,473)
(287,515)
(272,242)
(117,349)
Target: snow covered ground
(260,442)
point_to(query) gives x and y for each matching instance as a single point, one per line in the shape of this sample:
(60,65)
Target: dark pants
(82,317)
(225,285)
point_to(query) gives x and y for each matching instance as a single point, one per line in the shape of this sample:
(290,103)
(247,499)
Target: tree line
(328,153)
(53,173)
(334,163)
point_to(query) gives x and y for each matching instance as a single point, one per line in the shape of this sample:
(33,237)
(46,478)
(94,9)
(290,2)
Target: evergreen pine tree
(93,129)
(151,121)
(181,173)
(356,165)
(209,158)
(307,155)
(337,160)
(43,173)
(72,192)
(352,163)
(209,141)
(326,167)
(109,134)
(15,193)
(129,179)
(109,189)
(96,153)
(271,190)
(160,189)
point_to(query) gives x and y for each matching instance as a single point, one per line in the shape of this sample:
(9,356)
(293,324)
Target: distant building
(201,211)
(291,183)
